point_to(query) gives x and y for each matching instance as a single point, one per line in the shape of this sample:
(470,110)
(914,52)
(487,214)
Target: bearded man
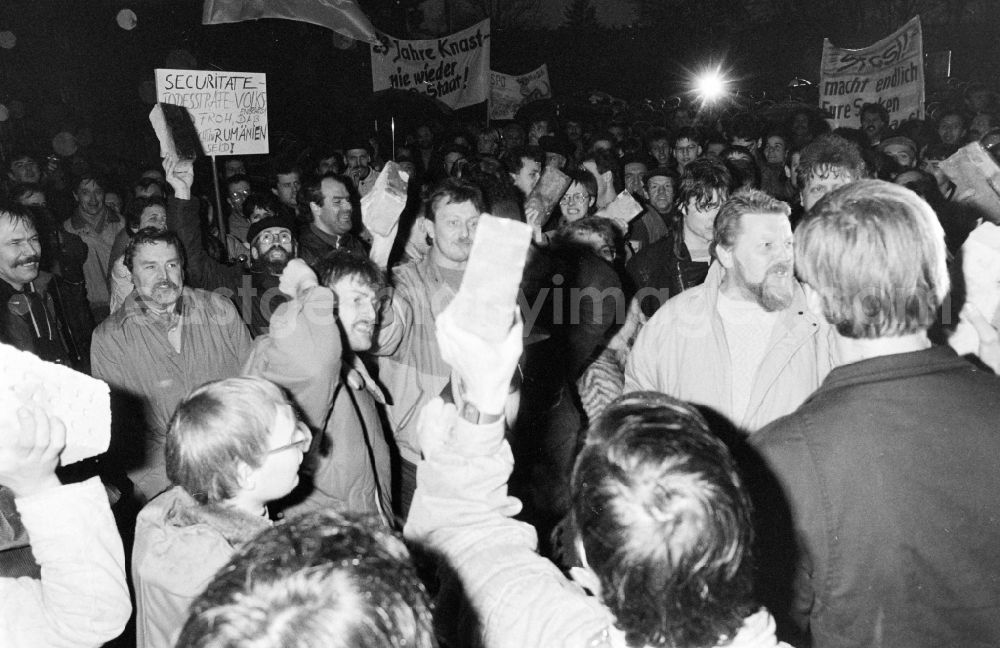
(742,343)
(272,244)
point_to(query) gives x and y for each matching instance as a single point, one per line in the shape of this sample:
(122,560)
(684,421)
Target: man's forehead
(758,225)
(24,160)
(287,177)
(273,231)
(240,185)
(464,208)
(11,227)
(353,284)
(635,167)
(156,249)
(89,183)
(354,152)
(329,185)
(659,180)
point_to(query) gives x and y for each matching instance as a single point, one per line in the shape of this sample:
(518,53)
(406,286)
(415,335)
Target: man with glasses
(330,202)
(271,245)
(234,445)
(687,147)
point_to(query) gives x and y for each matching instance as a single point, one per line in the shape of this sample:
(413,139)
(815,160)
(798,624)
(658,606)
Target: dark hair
(342,263)
(152,236)
(828,154)
(744,126)
(514,158)
(706,180)
(742,167)
(19,154)
(89,176)
(133,212)
(21,191)
(282,168)
(17,213)
(454,190)
(311,190)
(661,172)
(875,108)
(687,132)
(665,523)
(239,177)
(145,183)
(261,200)
(956,112)
(584,178)
(322,579)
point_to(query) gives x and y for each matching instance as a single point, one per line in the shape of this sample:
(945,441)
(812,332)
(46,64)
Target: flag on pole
(342,16)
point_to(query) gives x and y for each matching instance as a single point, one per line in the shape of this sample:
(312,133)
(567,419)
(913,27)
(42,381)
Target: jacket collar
(895,366)
(78,222)
(236,526)
(135,307)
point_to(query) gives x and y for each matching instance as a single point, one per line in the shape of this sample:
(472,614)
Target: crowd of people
(733,420)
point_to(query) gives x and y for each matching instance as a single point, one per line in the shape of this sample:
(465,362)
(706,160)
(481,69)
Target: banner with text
(453,69)
(229,108)
(508,93)
(890,72)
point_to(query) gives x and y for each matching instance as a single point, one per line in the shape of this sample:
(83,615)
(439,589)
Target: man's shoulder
(692,303)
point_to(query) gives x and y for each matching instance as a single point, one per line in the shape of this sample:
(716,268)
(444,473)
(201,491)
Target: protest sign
(229,109)
(890,72)
(508,93)
(453,69)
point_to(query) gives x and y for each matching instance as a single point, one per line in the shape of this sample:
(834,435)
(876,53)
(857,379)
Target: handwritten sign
(508,93)
(229,109)
(453,69)
(890,72)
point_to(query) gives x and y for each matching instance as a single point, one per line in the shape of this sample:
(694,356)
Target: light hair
(218,426)
(875,253)
(746,201)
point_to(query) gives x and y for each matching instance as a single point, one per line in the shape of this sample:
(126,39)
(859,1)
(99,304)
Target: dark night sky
(74,67)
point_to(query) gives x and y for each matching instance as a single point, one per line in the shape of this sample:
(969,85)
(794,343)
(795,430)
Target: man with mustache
(272,244)
(29,319)
(164,341)
(410,362)
(742,343)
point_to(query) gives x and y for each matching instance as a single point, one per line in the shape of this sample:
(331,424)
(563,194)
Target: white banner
(508,93)
(890,72)
(453,69)
(229,108)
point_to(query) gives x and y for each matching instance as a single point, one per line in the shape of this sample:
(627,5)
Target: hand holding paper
(487,299)
(46,389)
(621,210)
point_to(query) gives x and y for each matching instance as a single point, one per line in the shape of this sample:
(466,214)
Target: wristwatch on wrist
(471,413)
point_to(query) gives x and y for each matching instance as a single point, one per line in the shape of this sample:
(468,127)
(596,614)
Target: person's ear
(426,225)
(813,299)
(253,252)
(725,256)
(246,478)
(315,209)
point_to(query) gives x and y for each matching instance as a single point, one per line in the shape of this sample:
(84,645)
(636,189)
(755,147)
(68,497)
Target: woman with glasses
(233,446)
